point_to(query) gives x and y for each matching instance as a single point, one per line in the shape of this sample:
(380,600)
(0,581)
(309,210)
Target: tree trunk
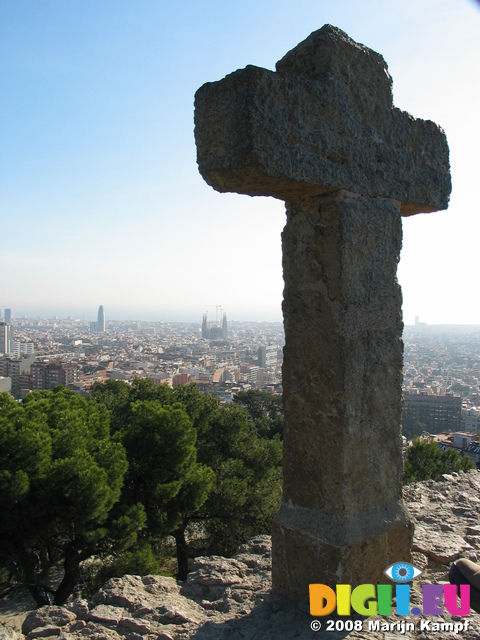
(70,578)
(182,553)
(37,592)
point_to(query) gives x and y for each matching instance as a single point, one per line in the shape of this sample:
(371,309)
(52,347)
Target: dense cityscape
(441,362)
(218,356)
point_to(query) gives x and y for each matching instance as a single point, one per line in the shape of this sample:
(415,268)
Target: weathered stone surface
(94,631)
(141,626)
(342,515)
(45,632)
(47,616)
(79,607)
(8,633)
(322,133)
(323,121)
(141,597)
(105,614)
(440,546)
(340,259)
(441,533)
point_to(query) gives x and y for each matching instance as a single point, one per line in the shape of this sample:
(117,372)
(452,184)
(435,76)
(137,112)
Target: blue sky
(101,201)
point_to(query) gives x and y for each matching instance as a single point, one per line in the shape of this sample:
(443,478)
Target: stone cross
(322,134)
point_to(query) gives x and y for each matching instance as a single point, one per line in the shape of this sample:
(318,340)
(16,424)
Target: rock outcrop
(231,597)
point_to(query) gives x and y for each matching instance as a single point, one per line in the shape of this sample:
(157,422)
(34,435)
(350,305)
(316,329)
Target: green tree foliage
(264,409)
(247,490)
(154,423)
(160,444)
(118,397)
(164,475)
(138,561)
(415,431)
(231,488)
(73,487)
(241,447)
(60,477)
(426,461)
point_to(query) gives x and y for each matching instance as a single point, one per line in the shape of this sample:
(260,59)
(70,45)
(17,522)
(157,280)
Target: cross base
(301,558)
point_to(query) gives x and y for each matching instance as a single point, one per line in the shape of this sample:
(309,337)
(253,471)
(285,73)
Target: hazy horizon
(128,316)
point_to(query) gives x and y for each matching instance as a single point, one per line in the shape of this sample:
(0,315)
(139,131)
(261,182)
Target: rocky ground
(230,598)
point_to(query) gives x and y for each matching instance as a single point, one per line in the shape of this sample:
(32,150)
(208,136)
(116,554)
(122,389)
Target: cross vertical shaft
(342,512)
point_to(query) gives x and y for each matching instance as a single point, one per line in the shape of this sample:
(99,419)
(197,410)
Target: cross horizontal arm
(287,135)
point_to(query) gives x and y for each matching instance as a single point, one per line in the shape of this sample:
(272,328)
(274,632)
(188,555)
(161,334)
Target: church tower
(205,330)
(224,327)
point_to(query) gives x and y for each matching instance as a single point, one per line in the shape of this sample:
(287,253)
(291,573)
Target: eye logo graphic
(402,572)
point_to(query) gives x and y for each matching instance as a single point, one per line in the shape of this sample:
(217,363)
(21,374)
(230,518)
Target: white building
(267,356)
(471,420)
(22,348)
(5,384)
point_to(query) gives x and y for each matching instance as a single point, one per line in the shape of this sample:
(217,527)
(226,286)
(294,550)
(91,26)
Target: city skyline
(189,319)
(98,169)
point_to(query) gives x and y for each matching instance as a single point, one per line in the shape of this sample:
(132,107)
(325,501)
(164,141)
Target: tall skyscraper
(5,337)
(101,319)
(267,356)
(8,316)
